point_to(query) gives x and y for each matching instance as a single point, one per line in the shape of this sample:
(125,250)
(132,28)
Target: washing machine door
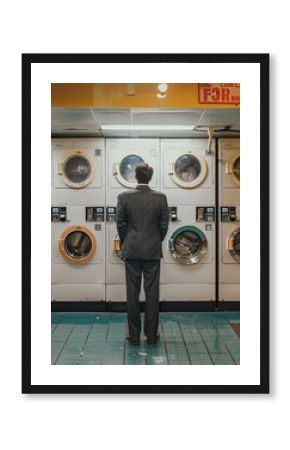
(189,170)
(233,244)
(124,170)
(77,245)
(188,244)
(77,169)
(233,168)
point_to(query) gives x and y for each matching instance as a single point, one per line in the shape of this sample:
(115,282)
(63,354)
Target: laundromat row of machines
(87,176)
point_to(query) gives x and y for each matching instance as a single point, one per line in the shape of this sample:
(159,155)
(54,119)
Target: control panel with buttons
(205,214)
(228,214)
(111,214)
(95,214)
(58,214)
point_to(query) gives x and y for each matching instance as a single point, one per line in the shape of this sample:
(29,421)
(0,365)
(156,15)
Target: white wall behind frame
(191,27)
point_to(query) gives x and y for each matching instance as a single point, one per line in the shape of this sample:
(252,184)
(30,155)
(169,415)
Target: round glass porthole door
(125,170)
(189,170)
(77,245)
(233,168)
(236,169)
(188,245)
(77,169)
(233,244)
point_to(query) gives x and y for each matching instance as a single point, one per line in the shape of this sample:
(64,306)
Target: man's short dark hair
(143,173)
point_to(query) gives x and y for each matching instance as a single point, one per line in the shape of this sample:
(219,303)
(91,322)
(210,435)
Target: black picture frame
(263,61)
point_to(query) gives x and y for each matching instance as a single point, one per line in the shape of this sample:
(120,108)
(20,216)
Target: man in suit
(142,222)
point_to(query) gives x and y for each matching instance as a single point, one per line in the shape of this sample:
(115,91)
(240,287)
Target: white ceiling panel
(81,117)
(165,117)
(112,116)
(219,117)
(141,122)
(236,125)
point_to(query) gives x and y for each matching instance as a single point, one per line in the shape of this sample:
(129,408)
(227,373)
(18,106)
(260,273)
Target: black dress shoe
(153,339)
(157,335)
(133,340)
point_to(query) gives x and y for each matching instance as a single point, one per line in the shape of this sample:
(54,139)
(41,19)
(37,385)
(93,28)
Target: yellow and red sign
(219,93)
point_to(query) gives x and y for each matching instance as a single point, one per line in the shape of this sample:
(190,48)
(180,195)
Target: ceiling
(144,122)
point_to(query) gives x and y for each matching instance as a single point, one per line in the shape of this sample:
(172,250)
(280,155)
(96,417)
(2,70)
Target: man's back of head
(143,173)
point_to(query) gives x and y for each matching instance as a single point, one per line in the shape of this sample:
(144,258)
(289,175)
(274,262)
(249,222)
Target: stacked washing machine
(78,220)
(122,156)
(188,180)
(229,227)
(87,176)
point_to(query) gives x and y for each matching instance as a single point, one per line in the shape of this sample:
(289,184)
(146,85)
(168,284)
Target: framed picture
(189,116)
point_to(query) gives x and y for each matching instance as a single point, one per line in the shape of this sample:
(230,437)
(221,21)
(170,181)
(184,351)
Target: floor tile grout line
(225,343)
(165,344)
(86,340)
(106,337)
(205,344)
(55,325)
(186,349)
(230,353)
(58,323)
(173,326)
(60,352)
(108,328)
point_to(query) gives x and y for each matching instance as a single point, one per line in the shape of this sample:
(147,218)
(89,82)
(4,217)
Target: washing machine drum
(233,244)
(77,169)
(233,168)
(125,170)
(188,245)
(189,170)
(77,245)
(236,169)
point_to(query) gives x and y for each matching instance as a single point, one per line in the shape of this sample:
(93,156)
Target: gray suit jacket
(142,222)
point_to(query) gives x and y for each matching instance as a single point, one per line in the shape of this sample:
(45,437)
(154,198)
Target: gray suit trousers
(151,273)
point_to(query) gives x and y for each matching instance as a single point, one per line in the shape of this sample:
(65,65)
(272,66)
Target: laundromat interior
(190,135)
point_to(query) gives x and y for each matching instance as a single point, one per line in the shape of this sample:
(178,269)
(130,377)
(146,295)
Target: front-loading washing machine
(188,265)
(188,171)
(78,253)
(122,157)
(229,219)
(78,169)
(229,171)
(229,249)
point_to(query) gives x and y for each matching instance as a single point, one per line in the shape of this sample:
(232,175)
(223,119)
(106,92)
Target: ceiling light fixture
(162,88)
(147,127)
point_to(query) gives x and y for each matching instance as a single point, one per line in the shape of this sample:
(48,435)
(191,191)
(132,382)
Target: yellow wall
(72,94)
(108,95)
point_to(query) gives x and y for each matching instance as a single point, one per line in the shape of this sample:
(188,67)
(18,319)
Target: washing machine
(122,157)
(188,171)
(188,264)
(78,253)
(229,250)
(229,219)
(78,168)
(229,171)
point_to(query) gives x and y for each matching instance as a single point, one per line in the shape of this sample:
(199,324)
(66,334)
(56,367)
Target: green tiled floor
(186,338)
